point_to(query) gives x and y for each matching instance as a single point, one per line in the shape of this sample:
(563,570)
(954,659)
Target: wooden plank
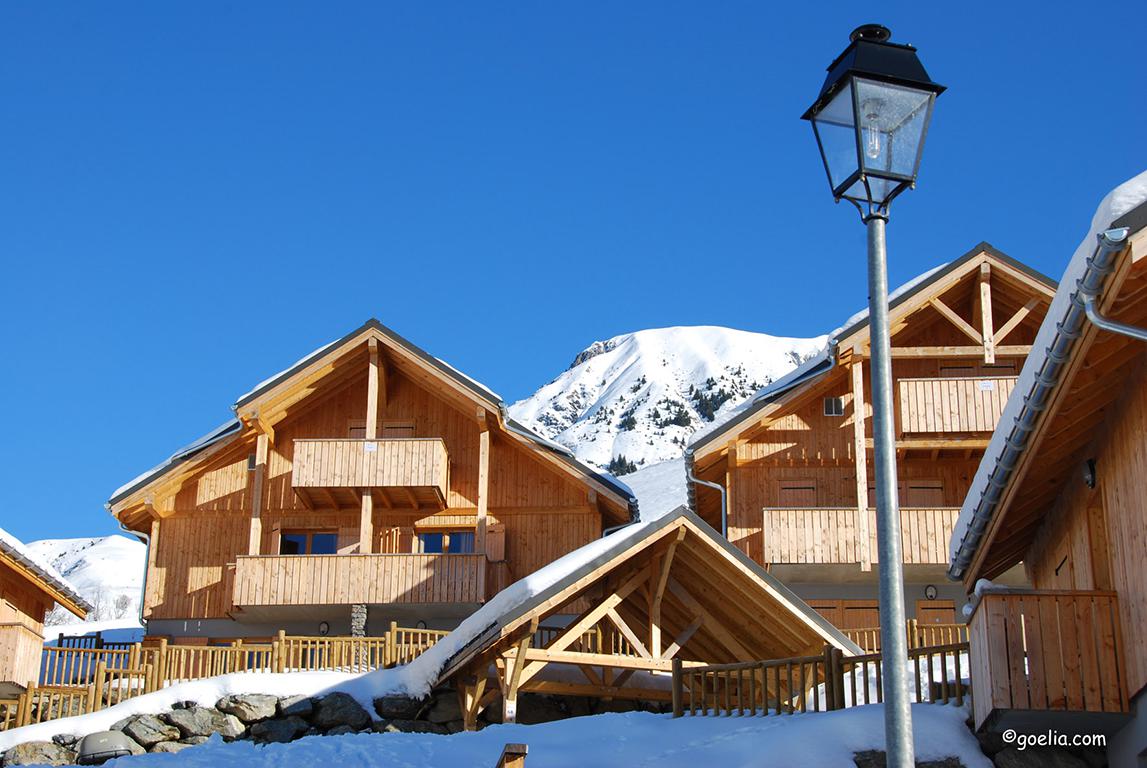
(483,481)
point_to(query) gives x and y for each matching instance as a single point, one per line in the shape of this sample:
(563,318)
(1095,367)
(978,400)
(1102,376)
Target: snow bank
(660,488)
(825,740)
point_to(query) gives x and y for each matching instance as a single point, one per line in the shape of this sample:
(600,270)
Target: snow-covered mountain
(636,399)
(107,571)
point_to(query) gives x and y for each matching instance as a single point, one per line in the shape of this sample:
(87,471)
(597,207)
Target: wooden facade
(406,475)
(797,465)
(1074,511)
(27,593)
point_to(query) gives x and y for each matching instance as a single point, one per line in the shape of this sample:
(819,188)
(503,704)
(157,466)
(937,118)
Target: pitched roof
(234,427)
(1025,415)
(48,578)
(815,367)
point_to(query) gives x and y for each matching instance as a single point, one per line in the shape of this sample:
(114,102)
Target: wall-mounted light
(1089,473)
(420,625)
(930,592)
(324,628)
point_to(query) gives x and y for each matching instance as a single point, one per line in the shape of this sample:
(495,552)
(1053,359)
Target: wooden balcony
(1046,657)
(318,580)
(833,536)
(405,472)
(943,405)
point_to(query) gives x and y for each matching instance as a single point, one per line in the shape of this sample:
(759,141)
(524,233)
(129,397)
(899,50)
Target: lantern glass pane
(835,127)
(893,121)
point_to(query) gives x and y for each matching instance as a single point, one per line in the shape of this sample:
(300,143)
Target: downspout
(146,563)
(1081,307)
(709,484)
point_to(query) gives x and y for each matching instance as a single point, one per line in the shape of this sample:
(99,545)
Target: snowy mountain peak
(107,571)
(636,399)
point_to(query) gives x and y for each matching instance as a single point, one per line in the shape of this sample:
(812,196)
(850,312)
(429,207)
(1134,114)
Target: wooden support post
(372,384)
(483,480)
(513,756)
(732,460)
(514,675)
(986,314)
(262,454)
(860,454)
(149,596)
(678,689)
(366,525)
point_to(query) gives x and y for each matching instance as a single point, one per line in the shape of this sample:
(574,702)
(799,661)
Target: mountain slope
(107,571)
(636,399)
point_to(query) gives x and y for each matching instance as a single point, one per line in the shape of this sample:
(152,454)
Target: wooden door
(936,611)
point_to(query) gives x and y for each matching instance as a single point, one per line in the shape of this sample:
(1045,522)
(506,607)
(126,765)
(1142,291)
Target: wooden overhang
(668,589)
(1094,377)
(336,365)
(42,581)
(1021,294)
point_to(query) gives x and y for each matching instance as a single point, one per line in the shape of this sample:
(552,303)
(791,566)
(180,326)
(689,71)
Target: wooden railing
(383,463)
(81,680)
(822,683)
(1047,650)
(936,405)
(832,535)
(277,580)
(919,635)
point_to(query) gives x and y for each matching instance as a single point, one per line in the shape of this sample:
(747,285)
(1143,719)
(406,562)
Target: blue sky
(194,195)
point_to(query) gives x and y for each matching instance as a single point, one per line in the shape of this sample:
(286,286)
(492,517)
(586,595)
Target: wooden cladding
(420,467)
(1047,651)
(833,536)
(936,405)
(306,580)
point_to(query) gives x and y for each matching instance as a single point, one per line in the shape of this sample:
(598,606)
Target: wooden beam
(255,533)
(597,691)
(987,330)
(860,452)
(961,324)
(659,594)
(483,480)
(1015,320)
(543,656)
(941,443)
(718,630)
(372,392)
(1014,350)
(628,633)
(680,641)
(514,674)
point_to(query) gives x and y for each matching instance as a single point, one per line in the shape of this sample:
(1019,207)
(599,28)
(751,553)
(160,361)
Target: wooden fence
(77,680)
(822,683)
(919,635)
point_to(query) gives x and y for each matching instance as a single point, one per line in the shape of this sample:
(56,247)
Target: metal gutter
(146,565)
(692,495)
(1099,266)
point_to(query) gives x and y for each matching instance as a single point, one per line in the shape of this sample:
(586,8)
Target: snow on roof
(1118,202)
(17,550)
(300,362)
(223,430)
(898,293)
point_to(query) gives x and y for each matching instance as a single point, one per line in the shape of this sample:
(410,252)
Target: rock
(341,730)
(1043,757)
(194,741)
(399,707)
(296,706)
(409,726)
(184,704)
(149,730)
(39,753)
(66,740)
(279,730)
(340,709)
(444,708)
(249,707)
(875,758)
(534,709)
(118,725)
(170,747)
(204,721)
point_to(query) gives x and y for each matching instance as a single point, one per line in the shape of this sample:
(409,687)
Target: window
(308,543)
(446,542)
(834,406)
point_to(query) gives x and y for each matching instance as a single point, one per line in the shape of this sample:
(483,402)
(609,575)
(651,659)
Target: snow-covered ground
(107,571)
(643,395)
(660,488)
(825,740)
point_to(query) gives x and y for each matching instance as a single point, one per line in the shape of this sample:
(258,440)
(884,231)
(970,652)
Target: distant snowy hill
(635,400)
(107,571)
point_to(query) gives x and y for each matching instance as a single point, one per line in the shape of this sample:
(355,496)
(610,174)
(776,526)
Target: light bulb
(871,110)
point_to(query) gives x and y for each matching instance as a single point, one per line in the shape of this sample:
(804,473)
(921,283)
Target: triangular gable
(712,605)
(41,575)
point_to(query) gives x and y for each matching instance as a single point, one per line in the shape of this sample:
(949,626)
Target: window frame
(837,404)
(446,533)
(309,533)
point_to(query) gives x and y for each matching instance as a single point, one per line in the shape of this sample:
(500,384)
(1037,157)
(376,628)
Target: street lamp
(870,120)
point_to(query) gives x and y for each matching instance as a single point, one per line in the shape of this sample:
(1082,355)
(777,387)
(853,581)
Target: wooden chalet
(369,474)
(1063,488)
(669,591)
(28,590)
(796,462)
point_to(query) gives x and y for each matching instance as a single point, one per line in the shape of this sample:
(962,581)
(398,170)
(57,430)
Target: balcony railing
(940,405)
(832,535)
(311,580)
(1046,651)
(400,471)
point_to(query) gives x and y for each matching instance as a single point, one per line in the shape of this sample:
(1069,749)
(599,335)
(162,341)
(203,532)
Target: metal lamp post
(870,120)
